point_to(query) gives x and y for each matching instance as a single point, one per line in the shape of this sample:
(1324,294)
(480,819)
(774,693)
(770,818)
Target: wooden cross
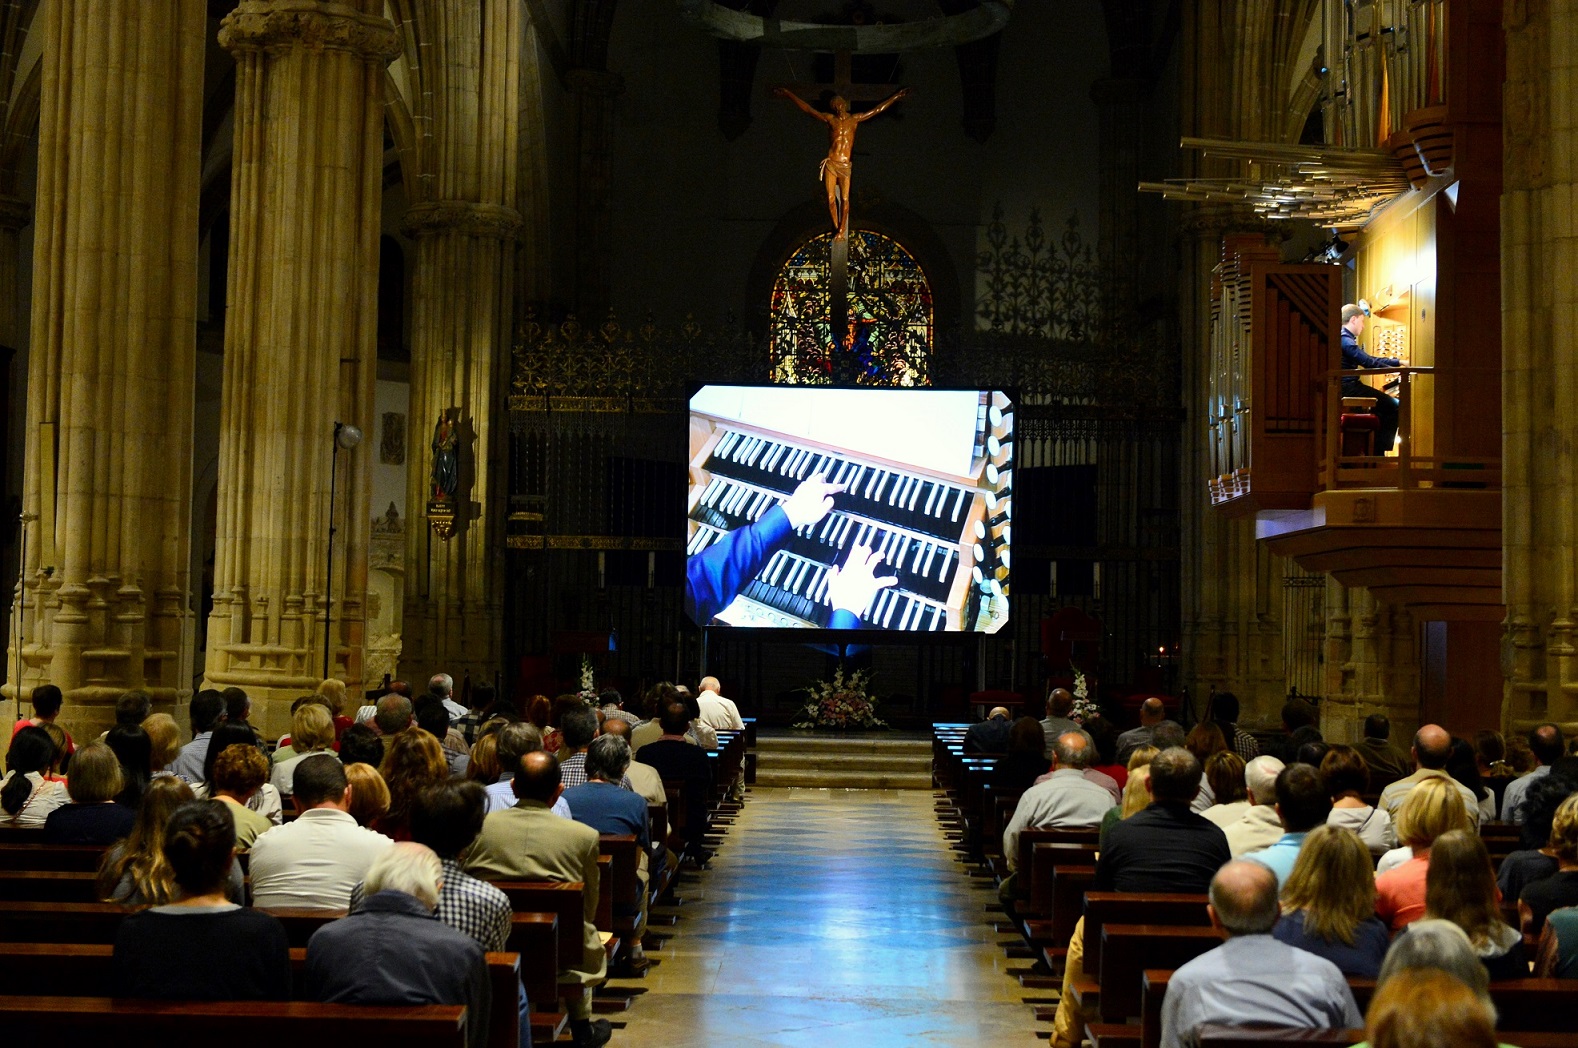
(844,86)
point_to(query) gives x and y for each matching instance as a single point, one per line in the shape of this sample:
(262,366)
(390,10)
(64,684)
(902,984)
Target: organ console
(936,531)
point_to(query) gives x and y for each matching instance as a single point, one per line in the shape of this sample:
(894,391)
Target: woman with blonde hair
(1136,798)
(164,741)
(1328,903)
(1461,887)
(484,766)
(369,793)
(334,692)
(136,872)
(1431,808)
(311,731)
(92,817)
(413,761)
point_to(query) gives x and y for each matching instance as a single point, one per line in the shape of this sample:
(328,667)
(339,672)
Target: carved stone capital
(492,221)
(14,213)
(316,25)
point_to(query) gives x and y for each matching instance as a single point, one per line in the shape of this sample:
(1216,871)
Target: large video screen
(874,509)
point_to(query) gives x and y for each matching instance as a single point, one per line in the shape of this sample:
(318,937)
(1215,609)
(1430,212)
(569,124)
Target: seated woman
(1346,776)
(266,801)
(1025,759)
(26,797)
(484,764)
(134,750)
(1224,773)
(369,793)
(164,743)
(1203,740)
(1432,808)
(201,947)
(135,871)
(1560,889)
(413,761)
(1328,903)
(1535,860)
(311,731)
(1461,887)
(93,816)
(1427,1007)
(239,773)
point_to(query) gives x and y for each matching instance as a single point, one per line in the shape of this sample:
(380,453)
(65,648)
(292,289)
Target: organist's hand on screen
(851,588)
(811,501)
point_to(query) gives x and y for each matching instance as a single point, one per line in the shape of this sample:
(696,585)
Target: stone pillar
(300,345)
(112,357)
(1539,257)
(465,226)
(14,216)
(1372,665)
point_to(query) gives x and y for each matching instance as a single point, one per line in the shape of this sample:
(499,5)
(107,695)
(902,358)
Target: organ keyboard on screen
(932,528)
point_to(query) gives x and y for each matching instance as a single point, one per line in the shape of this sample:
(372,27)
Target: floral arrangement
(588,681)
(842,702)
(1085,708)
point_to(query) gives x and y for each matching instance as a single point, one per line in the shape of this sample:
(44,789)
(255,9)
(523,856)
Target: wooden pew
(96,922)
(243,1024)
(1080,851)
(43,968)
(563,900)
(1128,949)
(48,886)
(1103,908)
(64,857)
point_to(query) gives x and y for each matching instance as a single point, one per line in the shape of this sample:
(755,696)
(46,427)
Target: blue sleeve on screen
(714,577)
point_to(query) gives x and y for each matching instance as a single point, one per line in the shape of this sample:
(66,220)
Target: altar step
(881,760)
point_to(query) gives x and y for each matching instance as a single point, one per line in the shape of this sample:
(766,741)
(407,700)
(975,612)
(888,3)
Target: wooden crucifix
(836,166)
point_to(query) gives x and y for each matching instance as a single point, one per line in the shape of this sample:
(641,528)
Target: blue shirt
(1280,856)
(501,795)
(1253,979)
(607,808)
(1361,960)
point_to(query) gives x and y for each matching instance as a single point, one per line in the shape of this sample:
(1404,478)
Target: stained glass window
(890,316)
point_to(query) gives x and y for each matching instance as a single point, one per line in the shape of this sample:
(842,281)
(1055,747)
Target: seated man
(991,735)
(1387,762)
(607,807)
(677,760)
(1354,358)
(529,843)
(392,951)
(1302,805)
(1432,747)
(577,729)
(644,778)
(1259,827)
(1065,800)
(721,713)
(314,862)
(1153,715)
(1253,978)
(515,741)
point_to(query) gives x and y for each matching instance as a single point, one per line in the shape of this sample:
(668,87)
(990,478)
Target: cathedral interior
(353,338)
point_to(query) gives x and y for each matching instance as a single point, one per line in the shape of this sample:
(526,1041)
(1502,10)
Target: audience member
(1441,947)
(135,872)
(1059,704)
(413,761)
(1432,747)
(315,861)
(539,708)
(206,708)
(612,703)
(1560,888)
(1545,742)
(1153,714)
(1259,827)
(433,717)
(1252,977)
(1024,758)
(678,761)
(266,801)
(1203,740)
(311,731)
(395,714)
(392,951)
(239,773)
(1224,773)
(482,764)
(1312,752)
(1328,903)
(719,713)
(577,729)
(332,691)
(1422,1008)
(1298,727)
(1136,798)
(1066,800)
(164,743)
(361,745)
(132,708)
(1105,736)
(93,816)
(515,741)
(527,842)
(1557,954)
(238,714)
(26,797)
(477,705)
(47,701)
(1536,859)
(990,735)
(644,778)
(1346,776)
(1463,766)
(1490,751)
(369,795)
(1302,805)
(1224,711)
(442,687)
(609,808)
(201,946)
(1433,807)
(57,739)
(699,731)
(134,750)
(1461,887)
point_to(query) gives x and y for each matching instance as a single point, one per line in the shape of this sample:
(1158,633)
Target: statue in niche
(836,166)
(446,459)
(392,450)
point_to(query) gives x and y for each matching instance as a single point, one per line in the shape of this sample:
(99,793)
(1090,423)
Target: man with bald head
(1060,703)
(1252,979)
(1545,742)
(1432,747)
(991,735)
(1152,716)
(1065,800)
(717,712)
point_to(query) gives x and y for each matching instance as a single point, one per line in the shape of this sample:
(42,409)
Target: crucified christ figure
(835,167)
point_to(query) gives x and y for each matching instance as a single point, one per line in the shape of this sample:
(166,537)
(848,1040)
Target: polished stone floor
(832,917)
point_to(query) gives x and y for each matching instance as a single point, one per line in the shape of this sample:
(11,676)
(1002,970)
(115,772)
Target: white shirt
(46,796)
(1257,828)
(1373,826)
(1224,815)
(283,776)
(313,862)
(501,795)
(719,713)
(1067,800)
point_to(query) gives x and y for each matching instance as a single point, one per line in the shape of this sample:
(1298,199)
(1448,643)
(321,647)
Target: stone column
(300,344)
(109,413)
(1539,258)
(465,99)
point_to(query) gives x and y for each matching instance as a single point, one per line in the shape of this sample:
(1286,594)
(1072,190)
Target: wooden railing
(1406,469)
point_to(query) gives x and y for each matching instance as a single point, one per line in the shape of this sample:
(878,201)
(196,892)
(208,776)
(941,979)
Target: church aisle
(831,918)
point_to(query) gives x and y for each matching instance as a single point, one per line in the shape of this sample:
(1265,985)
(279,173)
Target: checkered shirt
(468,905)
(1244,744)
(572,772)
(468,726)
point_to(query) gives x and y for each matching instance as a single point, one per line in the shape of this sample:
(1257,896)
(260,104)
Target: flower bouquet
(842,702)
(1085,708)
